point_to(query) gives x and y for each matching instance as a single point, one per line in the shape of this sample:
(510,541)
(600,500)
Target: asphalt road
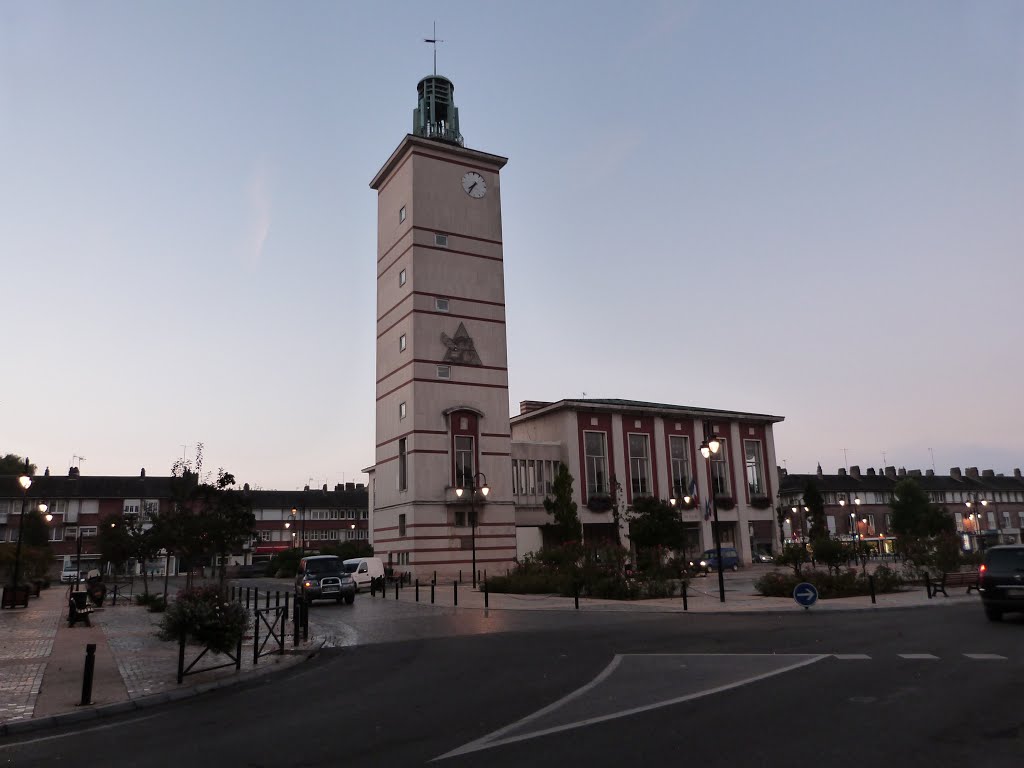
(603,689)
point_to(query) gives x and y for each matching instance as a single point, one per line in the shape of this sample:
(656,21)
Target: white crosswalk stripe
(985,656)
(919,656)
(851,656)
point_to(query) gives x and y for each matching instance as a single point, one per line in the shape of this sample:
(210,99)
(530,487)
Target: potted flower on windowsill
(760,502)
(725,502)
(599,502)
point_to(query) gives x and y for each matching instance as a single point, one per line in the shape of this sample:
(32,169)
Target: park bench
(967,579)
(79,608)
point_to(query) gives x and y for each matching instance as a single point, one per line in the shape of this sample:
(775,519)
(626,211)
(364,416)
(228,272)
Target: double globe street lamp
(25,481)
(472,488)
(709,448)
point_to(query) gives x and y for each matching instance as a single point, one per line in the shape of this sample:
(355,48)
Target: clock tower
(442,478)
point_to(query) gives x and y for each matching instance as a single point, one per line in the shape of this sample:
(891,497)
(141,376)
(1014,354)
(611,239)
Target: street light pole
(484,489)
(708,448)
(25,481)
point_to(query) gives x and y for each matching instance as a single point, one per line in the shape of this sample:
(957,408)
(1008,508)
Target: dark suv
(323,577)
(1001,581)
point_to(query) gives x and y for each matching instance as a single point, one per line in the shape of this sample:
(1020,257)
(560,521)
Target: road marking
(120,723)
(985,656)
(850,656)
(493,739)
(923,656)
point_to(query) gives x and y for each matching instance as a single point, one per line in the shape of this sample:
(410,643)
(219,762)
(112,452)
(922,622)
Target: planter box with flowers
(725,503)
(205,618)
(760,502)
(599,502)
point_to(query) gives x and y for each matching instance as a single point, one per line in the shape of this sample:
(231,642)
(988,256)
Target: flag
(693,488)
(707,509)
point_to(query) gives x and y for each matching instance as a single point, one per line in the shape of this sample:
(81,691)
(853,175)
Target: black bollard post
(256,642)
(927,585)
(486,601)
(417,590)
(285,612)
(277,598)
(396,590)
(181,657)
(460,575)
(686,603)
(432,585)
(373,587)
(247,598)
(871,584)
(255,599)
(296,621)
(435,577)
(576,595)
(90,663)
(267,606)
(305,621)
(455,587)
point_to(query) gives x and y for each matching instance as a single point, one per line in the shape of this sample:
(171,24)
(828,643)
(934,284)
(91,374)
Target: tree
(114,540)
(563,509)
(832,552)
(226,518)
(12,464)
(34,530)
(817,527)
(655,525)
(923,529)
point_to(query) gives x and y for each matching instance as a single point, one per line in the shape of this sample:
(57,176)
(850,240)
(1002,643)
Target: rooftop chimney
(955,472)
(74,472)
(819,469)
(902,472)
(914,472)
(338,487)
(525,406)
(360,486)
(1016,473)
(890,472)
(47,472)
(325,487)
(988,473)
(350,486)
(971,472)
(871,471)
(244,487)
(143,473)
(855,470)
(842,471)
(930,472)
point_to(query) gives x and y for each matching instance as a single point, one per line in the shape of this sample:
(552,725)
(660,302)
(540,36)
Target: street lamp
(25,481)
(709,448)
(976,516)
(473,487)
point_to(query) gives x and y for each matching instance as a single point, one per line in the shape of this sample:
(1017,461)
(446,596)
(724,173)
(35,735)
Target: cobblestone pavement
(27,639)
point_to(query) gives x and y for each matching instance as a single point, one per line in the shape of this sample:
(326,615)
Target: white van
(69,573)
(364,569)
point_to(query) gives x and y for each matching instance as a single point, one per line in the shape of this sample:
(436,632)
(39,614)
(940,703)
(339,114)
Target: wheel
(993,614)
(349,599)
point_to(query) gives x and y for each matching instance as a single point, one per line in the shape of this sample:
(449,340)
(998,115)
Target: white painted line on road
(118,724)
(985,656)
(850,656)
(493,740)
(924,656)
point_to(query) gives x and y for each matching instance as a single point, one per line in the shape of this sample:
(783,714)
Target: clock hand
(472,186)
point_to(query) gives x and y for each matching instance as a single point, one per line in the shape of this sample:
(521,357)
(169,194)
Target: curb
(145,702)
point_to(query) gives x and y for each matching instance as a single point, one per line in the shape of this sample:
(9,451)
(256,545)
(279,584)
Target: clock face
(474,184)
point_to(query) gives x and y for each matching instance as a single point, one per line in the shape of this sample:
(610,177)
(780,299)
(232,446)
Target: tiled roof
(640,405)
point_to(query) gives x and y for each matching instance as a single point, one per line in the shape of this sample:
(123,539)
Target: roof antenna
(434,41)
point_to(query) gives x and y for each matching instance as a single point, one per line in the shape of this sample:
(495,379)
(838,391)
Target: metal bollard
(455,588)
(296,621)
(305,621)
(256,642)
(277,598)
(435,577)
(431,593)
(576,595)
(460,575)
(486,602)
(285,618)
(927,585)
(686,602)
(247,598)
(871,584)
(90,663)
(396,590)
(256,599)
(417,590)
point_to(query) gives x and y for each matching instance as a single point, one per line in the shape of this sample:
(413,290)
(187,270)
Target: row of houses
(79,505)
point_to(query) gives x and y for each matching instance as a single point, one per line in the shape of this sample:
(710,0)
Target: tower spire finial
(434,41)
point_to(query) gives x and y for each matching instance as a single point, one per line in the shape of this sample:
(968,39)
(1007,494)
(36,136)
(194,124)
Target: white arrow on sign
(805,593)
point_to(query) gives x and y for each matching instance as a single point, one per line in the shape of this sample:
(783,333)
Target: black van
(1001,581)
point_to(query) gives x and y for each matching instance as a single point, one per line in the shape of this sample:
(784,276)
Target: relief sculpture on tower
(461,350)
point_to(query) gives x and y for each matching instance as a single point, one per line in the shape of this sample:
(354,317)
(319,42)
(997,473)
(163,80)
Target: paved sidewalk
(42,662)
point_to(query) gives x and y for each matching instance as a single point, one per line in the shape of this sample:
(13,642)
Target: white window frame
(402,343)
(441,305)
(401,215)
(403,465)
(757,466)
(681,476)
(440,240)
(639,466)
(596,470)
(720,480)
(461,460)
(402,411)
(401,278)
(444,371)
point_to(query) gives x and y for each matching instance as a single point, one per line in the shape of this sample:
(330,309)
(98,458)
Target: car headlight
(703,563)
(308,584)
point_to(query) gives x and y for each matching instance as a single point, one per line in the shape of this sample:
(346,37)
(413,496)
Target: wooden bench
(967,579)
(79,608)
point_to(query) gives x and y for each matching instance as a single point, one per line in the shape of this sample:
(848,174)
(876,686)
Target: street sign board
(805,594)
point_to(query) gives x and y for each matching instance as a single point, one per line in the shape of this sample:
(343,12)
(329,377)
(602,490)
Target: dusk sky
(809,209)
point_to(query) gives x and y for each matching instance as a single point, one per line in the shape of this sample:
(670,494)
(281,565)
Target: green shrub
(613,587)
(845,583)
(536,582)
(158,605)
(285,564)
(205,618)
(658,588)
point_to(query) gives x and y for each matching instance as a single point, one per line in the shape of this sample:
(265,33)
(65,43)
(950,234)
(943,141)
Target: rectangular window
(595,449)
(720,470)
(57,532)
(401,214)
(402,468)
(401,525)
(540,476)
(401,343)
(463,461)
(531,477)
(401,278)
(460,518)
(552,471)
(515,479)
(755,467)
(679,447)
(444,372)
(88,531)
(639,464)
(870,524)
(441,305)
(441,240)
(401,411)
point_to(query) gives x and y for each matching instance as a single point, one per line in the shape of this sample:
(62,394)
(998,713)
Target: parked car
(762,557)
(323,577)
(69,574)
(364,570)
(730,559)
(1001,581)
(252,570)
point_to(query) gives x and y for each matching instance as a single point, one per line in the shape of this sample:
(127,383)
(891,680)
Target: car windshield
(1005,560)
(332,565)
(351,567)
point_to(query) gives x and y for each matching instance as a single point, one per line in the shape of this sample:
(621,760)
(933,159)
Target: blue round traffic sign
(805,594)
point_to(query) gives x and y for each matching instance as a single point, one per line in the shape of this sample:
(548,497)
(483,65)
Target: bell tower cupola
(436,116)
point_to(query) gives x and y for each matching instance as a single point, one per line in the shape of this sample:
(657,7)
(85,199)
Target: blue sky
(810,209)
